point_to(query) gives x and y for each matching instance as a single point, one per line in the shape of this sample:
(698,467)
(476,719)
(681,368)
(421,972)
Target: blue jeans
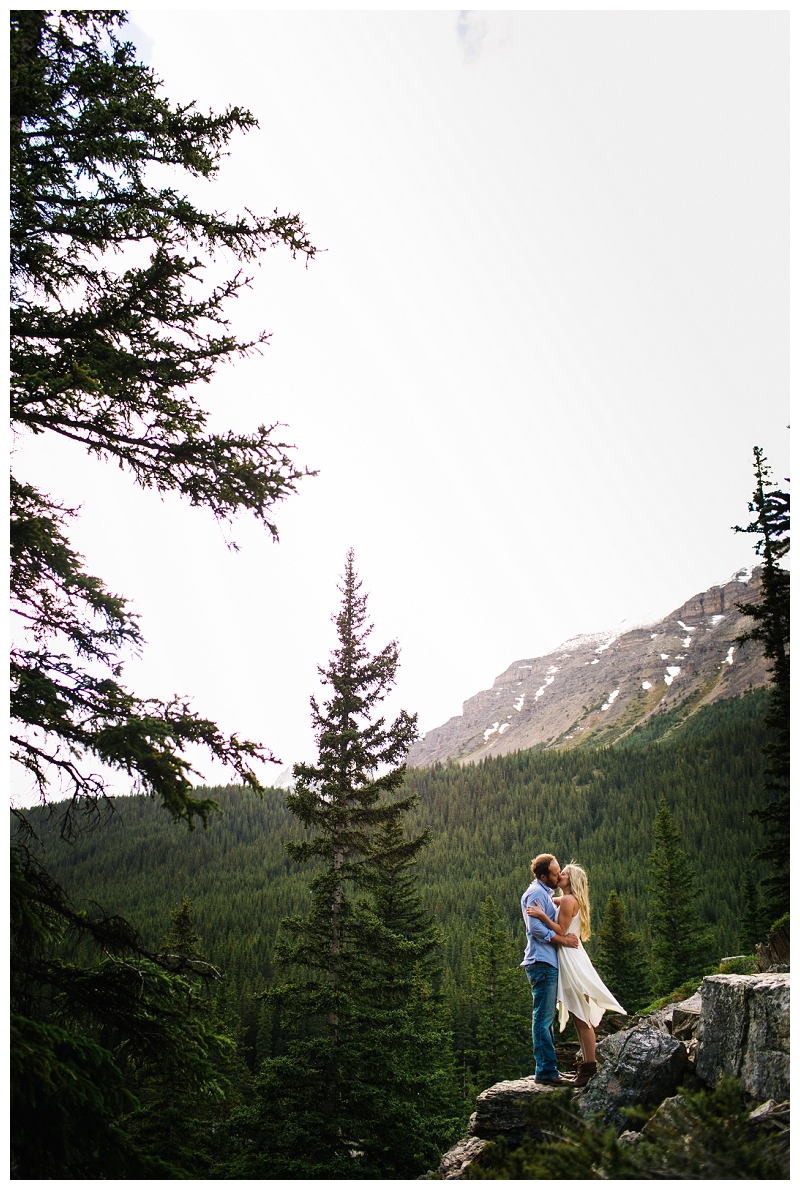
(543,978)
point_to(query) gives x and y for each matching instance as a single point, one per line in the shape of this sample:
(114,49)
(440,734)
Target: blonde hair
(579,884)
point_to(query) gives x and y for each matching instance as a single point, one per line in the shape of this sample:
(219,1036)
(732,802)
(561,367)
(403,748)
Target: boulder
(772,1119)
(772,1113)
(629,1137)
(774,955)
(676,1019)
(670,1112)
(744,1031)
(659,1018)
(498,1111)
(686,1017)
(457,1160)
(640,1067)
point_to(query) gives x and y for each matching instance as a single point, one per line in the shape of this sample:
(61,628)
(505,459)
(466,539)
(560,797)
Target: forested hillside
(486,821)
(597,807)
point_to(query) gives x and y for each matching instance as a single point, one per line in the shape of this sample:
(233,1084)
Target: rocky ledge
(498,1109)
(733,1024)
(744,1031)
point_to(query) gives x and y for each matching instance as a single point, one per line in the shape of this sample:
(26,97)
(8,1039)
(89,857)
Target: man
(541,966)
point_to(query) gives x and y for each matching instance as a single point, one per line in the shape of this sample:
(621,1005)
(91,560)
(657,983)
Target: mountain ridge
(688,658)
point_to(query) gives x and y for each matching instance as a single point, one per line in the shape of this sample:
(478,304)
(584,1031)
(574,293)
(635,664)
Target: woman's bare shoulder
(568,903)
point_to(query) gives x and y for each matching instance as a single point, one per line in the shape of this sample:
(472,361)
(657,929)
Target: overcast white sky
(550,323)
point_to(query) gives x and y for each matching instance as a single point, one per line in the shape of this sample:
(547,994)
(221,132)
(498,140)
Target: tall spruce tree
(177,1120)
(416,1110)
(502,1001)
(621,957)
(457,992)
(754,920)
(111,333)
(681,943)
(107,351)
(85,1038)
(396,907)
(355,1093)
(770,628)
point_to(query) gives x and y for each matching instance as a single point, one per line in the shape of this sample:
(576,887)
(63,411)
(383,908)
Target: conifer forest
(245,982)
(233,885)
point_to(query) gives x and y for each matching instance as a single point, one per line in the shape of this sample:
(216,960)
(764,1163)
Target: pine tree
(621,958)
(397,905)
(405,1032)
(771,628)
(108,351)
(87,1038)
(182,939)
(111,333)
(177,1117)
(341,796)
(681,944)
(456,991)
(753,925)
(502,1001)
(349,1096)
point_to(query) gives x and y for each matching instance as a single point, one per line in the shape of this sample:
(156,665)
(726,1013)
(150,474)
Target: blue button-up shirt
(539,949)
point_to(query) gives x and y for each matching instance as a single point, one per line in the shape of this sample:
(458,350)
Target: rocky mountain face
(599,687)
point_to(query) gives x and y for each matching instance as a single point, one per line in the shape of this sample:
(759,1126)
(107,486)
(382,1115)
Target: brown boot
(586,1070)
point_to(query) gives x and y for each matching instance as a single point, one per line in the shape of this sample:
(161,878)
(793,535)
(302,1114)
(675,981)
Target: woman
(581,991)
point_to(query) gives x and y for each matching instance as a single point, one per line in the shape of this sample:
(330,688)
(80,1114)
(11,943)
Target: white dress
(578,979)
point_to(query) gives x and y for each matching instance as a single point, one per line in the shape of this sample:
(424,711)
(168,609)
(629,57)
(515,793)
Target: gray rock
(609,1048)
(641,1066)
(629,1137)
(691,1051)
(686,1017)
(772,1119)
(671,1112)
(661,1019)
(744,1031)
(457,1160)
(692,1006)
(774,955)
(498,1111)
(771,1113)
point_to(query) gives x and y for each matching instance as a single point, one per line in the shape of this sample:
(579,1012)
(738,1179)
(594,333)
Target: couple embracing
(559,969)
